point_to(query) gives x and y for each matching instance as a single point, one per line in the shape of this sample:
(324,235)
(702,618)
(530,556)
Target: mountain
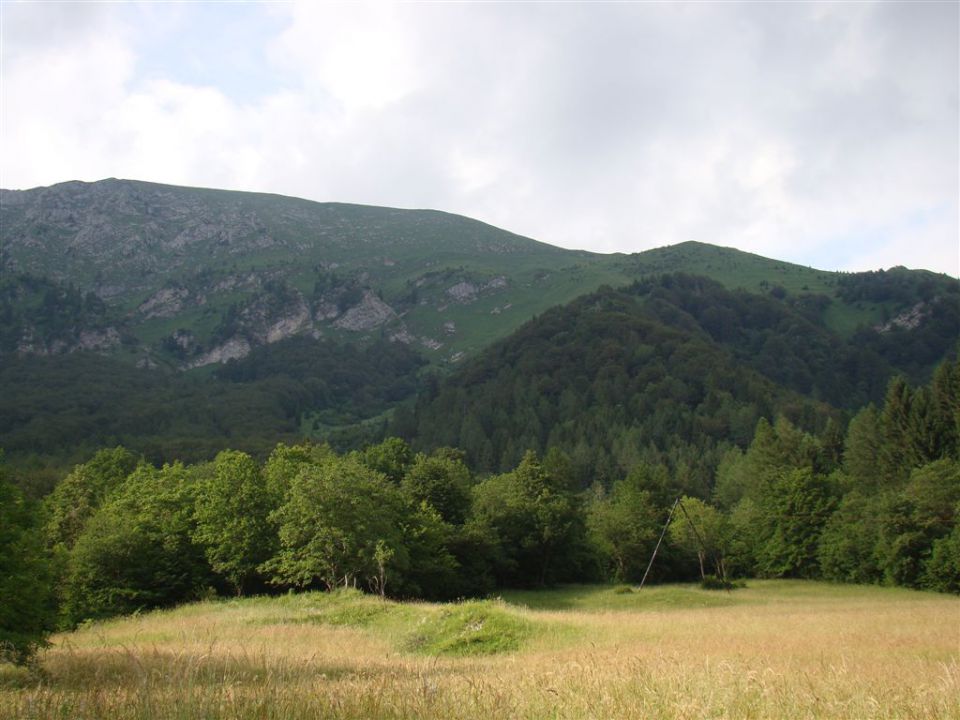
(182,320)
(188,277)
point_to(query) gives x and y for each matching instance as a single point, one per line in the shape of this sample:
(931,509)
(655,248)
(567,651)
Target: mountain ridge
(264,298)
(178,267)
(139,245)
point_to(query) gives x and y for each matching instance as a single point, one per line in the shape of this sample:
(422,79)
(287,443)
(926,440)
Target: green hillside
(675,369)
(261,317)
(186,277)
(206,267)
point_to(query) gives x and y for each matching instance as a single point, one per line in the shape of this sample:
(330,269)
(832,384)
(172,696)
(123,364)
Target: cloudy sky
(826,134)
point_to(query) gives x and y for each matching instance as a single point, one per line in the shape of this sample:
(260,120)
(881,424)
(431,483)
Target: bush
(712,582)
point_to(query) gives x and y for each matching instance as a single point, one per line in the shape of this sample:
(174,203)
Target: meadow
(774,649)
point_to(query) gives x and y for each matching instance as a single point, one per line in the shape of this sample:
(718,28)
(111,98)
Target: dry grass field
(776,649)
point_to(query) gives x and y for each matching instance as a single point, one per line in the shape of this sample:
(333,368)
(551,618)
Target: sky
(822,133)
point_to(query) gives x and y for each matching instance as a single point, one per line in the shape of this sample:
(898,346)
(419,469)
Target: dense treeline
(619,378)
(89,401)
(782,341)
(674,370)
(897,285)
(878,502)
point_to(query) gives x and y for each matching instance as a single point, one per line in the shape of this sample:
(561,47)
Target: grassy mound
(351,608)
(477,627)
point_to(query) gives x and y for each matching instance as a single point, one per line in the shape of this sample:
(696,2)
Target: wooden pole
(703,545)
(662,533)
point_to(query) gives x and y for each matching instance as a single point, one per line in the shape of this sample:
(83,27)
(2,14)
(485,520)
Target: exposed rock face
(101,340)
(233,349)
(403,336)
(266,321)
(370,313)
(908,320)
(463,292)
(296,321)
(326,311)
(166,302)
(184,339)
(97,339)
(130,232)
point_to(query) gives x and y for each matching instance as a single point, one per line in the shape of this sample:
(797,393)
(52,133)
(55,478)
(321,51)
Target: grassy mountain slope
(188,276)
(166,258)
(844,305)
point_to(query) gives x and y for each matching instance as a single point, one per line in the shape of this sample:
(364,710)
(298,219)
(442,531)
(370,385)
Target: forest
(876,502)
(674,370)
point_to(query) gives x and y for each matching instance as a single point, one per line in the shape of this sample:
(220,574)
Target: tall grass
(773,650)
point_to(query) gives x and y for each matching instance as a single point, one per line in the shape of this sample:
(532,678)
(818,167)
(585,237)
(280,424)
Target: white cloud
(811,132)
(57,87)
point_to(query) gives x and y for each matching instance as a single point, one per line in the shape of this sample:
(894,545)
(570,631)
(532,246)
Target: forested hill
(177,321)
(669,371)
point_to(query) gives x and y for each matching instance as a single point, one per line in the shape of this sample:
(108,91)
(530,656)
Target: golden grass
(773,650)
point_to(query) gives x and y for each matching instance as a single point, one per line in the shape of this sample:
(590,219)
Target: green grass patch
(476,627)
(351,608)
(600,598)
(344,608)
(658,598)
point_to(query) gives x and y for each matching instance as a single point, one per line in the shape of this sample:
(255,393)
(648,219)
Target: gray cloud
(823,133)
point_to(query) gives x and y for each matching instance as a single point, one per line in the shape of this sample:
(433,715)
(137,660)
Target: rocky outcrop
(98,340)
(403,335)
(908,320)
(166,302)
(326,310)
(370,313)
(184,339)
(295,321)
(233,349)
(268,319)
(463,292)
